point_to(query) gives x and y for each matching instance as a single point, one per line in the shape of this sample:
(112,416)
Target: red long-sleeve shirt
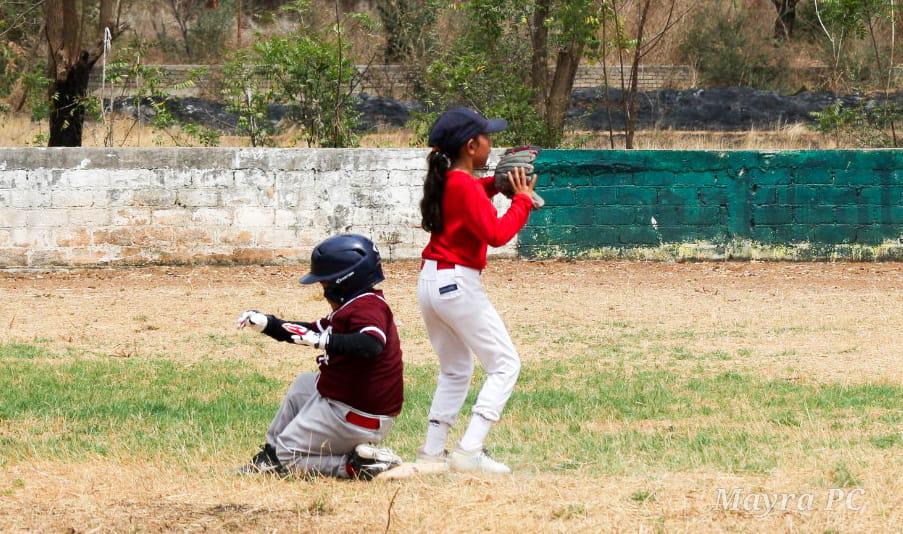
(472,222)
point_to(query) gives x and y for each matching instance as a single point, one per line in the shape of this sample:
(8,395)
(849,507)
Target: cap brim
(496,125)
(309,278)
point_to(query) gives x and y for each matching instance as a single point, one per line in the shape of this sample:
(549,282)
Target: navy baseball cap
(457,126)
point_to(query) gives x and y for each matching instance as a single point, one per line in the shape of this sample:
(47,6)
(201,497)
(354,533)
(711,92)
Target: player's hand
(253,319)
(520,182)
(305,336)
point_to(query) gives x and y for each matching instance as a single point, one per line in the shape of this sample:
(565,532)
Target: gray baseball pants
(311,433)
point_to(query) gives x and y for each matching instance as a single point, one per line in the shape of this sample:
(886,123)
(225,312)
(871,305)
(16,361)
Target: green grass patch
(21,351)
(886,441)
(565,415)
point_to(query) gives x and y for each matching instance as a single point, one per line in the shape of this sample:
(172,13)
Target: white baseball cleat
(477,461)
(369,461)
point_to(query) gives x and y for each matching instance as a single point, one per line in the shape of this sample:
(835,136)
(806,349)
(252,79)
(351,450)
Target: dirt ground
(809,322)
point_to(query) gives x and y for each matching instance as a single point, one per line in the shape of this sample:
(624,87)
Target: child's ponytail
(433,192)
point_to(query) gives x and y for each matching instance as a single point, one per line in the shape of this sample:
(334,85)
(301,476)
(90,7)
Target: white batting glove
(305,336)
(253,319)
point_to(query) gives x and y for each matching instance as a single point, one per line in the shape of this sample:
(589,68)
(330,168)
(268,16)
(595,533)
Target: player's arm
(483,219)
(357,344)
(368,338)
(488,184)
(272,326)
(275,328)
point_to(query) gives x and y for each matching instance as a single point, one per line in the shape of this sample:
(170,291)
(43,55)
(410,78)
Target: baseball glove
(522,156)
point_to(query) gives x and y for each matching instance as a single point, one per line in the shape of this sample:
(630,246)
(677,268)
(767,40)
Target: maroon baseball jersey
(371,385)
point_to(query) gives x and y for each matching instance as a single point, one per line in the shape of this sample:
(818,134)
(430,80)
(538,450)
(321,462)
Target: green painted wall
(709,204)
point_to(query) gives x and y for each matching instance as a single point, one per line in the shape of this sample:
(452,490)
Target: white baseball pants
(461,321)
(311,433)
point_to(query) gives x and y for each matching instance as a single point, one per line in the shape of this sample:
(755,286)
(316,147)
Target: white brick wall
(75,206)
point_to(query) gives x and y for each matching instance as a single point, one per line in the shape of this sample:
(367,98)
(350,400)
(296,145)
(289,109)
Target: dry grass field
(127,399)
(19,130)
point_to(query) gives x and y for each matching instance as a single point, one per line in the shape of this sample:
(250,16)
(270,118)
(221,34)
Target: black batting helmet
(351,264)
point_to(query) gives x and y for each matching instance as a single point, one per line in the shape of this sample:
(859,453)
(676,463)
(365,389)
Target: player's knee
(511,364)
(461,372)
(515,366)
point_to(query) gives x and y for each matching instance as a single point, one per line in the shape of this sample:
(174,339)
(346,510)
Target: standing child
(458,212)
(329,421)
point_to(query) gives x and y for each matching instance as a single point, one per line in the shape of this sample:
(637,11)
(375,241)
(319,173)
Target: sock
(476,433)
(436,436)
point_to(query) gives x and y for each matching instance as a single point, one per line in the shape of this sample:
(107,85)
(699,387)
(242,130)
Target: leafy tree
(309,71)
(249,94)
(152,92)
(841,21)
(407,26)
(203,26)
(500,63)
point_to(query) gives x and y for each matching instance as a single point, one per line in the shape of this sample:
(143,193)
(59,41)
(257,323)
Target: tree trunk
(539,68)
(560,91)
(630,104)
(67,114)
(69,65)
(783,24)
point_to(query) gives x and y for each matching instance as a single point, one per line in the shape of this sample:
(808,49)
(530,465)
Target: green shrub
(486,69)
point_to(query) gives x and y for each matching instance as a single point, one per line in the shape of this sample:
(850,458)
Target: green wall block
(562,216)
(893,216)
(772,214)
(873,234)
(664,215)
(799,194)
(638,235)
(818,159)
(559,196)
(546,217)
(660,178)
(814,176)
(708,179)
(532,234)
(767,194)
(714,196)
(862,214)
(562,234)
(813,214)
(838,195)
(678,196)
(834,234)
(764,234)
(593,196)
(614,215)
(798,233)
(769,176)
(703,215)
(596,235)
(877,195)
(855,177)
(680,234)
(636,195)
(562,180)
(877,160)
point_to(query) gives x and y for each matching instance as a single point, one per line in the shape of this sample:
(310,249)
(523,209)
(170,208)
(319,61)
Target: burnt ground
(717,109)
